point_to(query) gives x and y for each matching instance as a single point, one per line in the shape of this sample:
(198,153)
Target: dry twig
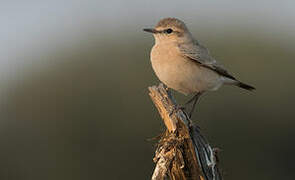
(182,152)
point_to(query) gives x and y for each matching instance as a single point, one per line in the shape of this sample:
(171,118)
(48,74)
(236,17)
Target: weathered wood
(182,152)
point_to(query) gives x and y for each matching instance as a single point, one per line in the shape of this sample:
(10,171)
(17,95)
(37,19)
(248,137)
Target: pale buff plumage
(180,73)
(183,64)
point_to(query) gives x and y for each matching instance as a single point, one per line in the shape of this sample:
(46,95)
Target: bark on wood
(182,152)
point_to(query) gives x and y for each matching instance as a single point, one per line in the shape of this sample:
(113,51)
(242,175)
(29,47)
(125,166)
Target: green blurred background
(74,78)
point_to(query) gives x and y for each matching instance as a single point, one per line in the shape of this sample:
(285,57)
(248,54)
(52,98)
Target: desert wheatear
(185,65)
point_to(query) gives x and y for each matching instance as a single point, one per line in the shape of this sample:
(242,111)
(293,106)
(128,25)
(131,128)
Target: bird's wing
(201,55)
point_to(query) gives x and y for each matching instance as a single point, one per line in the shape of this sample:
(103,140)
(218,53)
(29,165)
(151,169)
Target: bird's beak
(151,31)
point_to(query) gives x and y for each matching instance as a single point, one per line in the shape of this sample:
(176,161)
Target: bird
(182,63)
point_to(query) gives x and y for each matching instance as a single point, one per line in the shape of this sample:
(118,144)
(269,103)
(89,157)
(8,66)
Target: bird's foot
(177,108)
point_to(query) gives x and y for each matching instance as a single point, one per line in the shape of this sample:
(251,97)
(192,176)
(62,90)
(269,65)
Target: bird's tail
(244,86)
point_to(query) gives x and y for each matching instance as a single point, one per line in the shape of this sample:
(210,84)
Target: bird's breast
(171,68)
(164,60)
(180,73)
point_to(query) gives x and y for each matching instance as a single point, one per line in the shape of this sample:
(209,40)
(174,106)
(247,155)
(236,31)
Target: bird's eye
(168,31)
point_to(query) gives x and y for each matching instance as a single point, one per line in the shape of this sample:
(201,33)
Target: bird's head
(170,30)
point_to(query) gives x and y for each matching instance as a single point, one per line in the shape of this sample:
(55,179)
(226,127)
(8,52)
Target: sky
(31,27)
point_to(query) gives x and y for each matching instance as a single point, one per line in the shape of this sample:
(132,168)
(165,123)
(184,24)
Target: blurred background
(74,77)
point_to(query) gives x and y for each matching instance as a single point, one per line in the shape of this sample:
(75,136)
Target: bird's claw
(176,108)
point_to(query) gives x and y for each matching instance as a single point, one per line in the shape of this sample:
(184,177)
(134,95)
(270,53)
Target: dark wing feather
(201,55)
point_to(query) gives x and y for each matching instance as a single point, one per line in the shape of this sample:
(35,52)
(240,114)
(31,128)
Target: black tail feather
(245,86)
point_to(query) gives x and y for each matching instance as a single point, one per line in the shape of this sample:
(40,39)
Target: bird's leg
(195,98)
(180,107)
(190,100)
(169,92)
(176,107)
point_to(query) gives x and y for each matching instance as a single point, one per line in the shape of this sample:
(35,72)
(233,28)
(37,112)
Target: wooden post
(182,152)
